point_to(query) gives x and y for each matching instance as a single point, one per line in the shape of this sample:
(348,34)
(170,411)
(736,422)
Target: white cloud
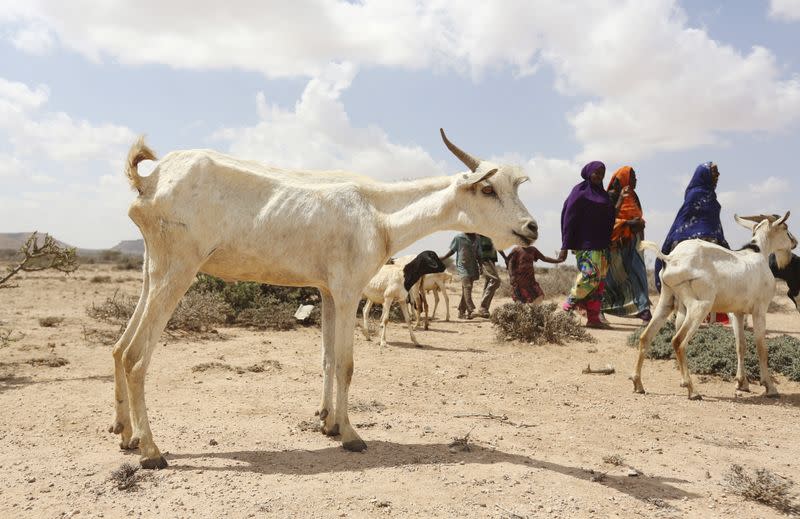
(33,39)
(653,82)
(786,10)
(54,135)
(317,134)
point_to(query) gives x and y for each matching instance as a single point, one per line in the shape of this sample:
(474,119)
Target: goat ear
(746,223)
(781,220)
(471,179)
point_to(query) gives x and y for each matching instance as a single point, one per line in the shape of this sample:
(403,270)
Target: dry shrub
(52,362)
(7,336)
(100,279)
(265,365)
(614,459)
(129,263)
(50,322)
(556,280)
(198,312)
(537,324)
(126,477)
(764,487)
(208,366)
(116,309)
(712,351)
(273,315)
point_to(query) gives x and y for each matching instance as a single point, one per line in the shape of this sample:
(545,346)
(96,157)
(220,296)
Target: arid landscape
(464,427)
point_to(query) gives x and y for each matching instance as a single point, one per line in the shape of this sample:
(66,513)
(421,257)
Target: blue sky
(660,85)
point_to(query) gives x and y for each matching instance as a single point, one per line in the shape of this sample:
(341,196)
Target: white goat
(392,283)
(701,277)
(202,211)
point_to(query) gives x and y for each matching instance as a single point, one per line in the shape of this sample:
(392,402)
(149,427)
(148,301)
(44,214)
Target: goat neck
(412,210)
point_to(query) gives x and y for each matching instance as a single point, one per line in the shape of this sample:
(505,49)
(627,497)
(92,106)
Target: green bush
(537,324)
(712,351)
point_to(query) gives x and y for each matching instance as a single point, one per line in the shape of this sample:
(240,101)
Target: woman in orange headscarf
(626,281)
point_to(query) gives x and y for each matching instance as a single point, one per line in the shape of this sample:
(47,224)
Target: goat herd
(202,211)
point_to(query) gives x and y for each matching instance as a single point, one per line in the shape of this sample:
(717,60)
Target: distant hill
(130,247)
(15,240)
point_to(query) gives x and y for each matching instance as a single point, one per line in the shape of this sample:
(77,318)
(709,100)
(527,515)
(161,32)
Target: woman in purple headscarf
(587,220)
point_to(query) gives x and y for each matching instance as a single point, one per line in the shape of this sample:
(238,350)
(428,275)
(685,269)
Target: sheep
(701,277)
(204,211)
(789,272)
(392,283)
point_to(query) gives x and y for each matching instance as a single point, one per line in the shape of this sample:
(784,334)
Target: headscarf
(630,208)
(587,217)
(698,217)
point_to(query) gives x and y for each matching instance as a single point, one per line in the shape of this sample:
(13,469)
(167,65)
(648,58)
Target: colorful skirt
(626,282)
(587,292)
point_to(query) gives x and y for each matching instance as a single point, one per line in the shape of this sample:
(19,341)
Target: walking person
(522,276)
(587,220)
(626,282)
(488,258)
(466,248)
(698,217)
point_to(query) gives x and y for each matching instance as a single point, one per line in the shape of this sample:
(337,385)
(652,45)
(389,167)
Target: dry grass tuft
(764,487)
(537,324)
(50,321)
(126,477)
(52,362)
(100,279)
(614,459)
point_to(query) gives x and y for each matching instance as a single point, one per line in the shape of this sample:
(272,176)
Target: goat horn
(468,160)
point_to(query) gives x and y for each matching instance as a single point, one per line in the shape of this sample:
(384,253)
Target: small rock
(31,480)
(632,473)
(212,441)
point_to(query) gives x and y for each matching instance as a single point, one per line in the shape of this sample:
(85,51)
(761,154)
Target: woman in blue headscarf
(698,217)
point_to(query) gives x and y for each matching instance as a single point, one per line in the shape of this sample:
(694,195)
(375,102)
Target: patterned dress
(524,287)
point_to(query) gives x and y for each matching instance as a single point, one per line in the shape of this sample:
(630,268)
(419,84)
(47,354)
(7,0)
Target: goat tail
(139,151)
(649,245)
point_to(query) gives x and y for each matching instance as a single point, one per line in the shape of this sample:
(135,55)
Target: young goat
(789,272)
(701,277)
(203,211)
(392,283)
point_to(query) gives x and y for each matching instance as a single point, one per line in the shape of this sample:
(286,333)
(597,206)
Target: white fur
(384,288)
(240,220)
(701,277)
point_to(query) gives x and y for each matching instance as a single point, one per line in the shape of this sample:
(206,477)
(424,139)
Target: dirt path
(241,443)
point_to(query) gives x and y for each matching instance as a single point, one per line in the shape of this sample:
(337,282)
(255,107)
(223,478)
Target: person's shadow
(382,454)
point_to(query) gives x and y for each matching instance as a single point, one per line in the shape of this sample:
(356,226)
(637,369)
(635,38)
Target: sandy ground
(239,442)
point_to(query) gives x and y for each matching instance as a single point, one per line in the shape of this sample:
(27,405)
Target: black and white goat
(790,273)
(392,283)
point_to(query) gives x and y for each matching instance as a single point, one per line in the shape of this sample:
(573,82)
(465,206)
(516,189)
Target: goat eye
(487,190)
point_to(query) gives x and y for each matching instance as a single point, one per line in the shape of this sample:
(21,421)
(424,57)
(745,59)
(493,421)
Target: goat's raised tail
(643,245)
(139,152)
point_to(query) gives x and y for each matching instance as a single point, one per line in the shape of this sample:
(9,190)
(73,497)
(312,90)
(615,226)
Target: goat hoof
(116,428)
(333,431)
(695,397)
(133,443)
(744,389)
(772,395)
(323,414)
(125,445)
(357,445)
(154,463)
